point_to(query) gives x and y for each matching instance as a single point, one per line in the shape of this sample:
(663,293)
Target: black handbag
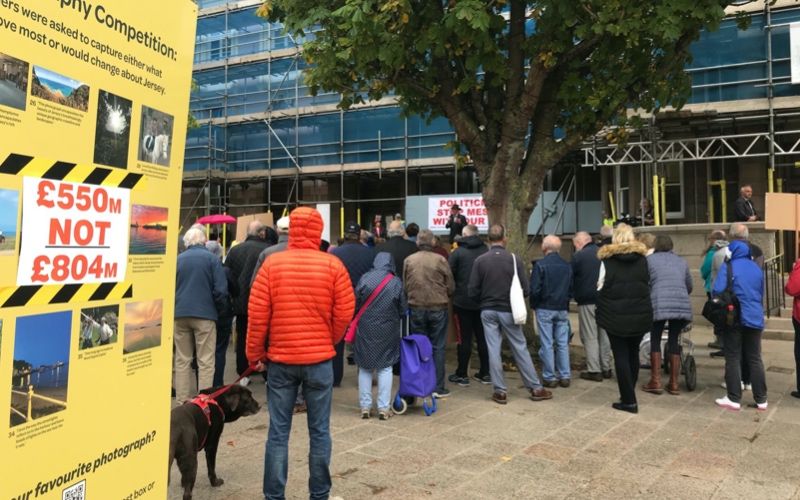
(723,310)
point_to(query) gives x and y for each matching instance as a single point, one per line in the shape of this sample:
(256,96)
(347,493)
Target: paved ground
(572,446)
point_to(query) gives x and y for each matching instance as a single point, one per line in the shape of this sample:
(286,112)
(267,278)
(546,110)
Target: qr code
(75,492)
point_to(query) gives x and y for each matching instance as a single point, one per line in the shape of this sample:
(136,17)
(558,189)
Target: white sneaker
(761,406)
(245,381)
(728,404)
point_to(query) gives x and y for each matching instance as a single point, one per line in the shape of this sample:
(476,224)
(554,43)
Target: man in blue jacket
(551,288)
(743,340)
(200,292)
(585,271)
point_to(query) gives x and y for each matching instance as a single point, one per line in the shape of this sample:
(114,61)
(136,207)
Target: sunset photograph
(148,230)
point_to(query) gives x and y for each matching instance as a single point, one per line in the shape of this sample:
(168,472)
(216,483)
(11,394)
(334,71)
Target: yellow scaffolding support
(656,201)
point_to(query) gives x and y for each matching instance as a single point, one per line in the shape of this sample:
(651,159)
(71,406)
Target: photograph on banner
(156,137)
(472,207)
(9,208)
(113,132)
(60,89)
(148,230)
(40,373)
(13,82)
(142,325)
(99,326)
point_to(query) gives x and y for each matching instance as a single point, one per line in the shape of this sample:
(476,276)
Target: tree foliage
(522,82)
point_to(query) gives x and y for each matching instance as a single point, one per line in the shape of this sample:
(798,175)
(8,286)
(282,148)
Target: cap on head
(283,224)
(352,228)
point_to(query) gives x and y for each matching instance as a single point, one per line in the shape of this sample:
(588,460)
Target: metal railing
(774,281)
(28,415)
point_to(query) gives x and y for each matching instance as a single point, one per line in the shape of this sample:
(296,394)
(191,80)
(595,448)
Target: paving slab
(574,446)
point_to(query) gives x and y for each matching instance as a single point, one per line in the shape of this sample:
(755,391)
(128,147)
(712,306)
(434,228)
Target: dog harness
(205,402)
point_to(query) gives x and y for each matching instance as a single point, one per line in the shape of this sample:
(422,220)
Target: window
(622,188)
(673,191)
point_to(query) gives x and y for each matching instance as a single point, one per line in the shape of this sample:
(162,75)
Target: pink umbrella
(217,219)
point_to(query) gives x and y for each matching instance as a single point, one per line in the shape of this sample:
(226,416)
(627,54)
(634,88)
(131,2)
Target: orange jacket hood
(305,229)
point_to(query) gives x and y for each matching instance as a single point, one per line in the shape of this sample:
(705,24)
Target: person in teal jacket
(716,240)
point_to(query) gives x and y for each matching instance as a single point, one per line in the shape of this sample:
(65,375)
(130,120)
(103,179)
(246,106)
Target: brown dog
(193,428)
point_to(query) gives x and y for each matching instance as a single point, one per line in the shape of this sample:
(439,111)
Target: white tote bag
(519,309)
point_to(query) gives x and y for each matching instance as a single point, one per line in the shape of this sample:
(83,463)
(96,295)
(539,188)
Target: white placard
(472,207)
(73,233)
(324,210)
(794,50)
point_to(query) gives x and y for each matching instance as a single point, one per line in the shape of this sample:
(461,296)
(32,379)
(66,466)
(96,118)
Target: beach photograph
(59,89)
(99,326)
(142,326)
(156,137)
(9,205)
(13,82)
(113,130)
(40,373)
(148,230)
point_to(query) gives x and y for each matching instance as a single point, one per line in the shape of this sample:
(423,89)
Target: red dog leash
(222,390)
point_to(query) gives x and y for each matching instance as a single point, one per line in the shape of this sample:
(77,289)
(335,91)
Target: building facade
(264,143)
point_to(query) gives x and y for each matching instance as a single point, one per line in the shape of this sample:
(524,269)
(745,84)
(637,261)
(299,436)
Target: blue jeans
(433,323)
(554,335)
(282,385)
(384,388)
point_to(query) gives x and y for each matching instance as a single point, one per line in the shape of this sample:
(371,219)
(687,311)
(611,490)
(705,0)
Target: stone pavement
(574,446)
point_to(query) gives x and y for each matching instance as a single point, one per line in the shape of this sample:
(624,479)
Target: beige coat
(428,280)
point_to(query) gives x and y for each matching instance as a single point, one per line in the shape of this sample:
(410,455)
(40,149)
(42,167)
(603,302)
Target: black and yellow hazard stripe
(40,295)
(16,164)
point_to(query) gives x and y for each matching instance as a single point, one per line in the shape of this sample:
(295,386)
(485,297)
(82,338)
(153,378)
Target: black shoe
(564,382)
(550,383)
(795,394)
(483,379)
(351,361)
(593,376)
(608,373)
(458,380)
(629,407)
(441,394)
(717,354)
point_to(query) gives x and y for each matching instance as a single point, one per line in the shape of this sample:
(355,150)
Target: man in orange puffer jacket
(300,305)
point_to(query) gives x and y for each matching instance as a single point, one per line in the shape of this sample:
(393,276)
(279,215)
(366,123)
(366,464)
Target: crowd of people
(293,299)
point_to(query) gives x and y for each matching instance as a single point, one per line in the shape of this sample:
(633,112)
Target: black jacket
(241,260)
(551,283)
(455,223)
(585,271)
(461,261)
(356,258)
(623,304)
(490,279)
(743,209)
(400,248)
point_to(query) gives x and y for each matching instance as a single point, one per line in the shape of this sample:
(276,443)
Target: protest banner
(472,207)
(93,115)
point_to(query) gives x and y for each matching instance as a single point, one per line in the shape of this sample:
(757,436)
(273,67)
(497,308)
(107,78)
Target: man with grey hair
(200,292)
(585,273)
(241,262)
(743,209)
(397,245)
(489,285)
(551,289)
(429,285)
(606,232)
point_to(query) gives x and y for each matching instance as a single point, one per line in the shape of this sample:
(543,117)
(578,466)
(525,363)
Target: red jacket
(793,288)
(301,300)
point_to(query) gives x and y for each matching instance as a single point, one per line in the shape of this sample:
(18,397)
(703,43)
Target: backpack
(723,310)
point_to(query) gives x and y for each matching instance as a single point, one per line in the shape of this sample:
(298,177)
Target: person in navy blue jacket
(201,291)
(744,338)
(550,291)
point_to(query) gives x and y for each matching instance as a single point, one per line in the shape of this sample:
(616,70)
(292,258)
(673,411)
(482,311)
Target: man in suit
(743,209)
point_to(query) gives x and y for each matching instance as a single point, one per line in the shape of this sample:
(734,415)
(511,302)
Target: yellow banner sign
(93,115)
